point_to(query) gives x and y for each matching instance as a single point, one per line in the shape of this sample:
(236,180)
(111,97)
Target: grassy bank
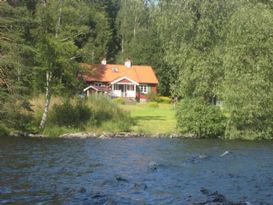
(108,116)
(97,114)
(152,120)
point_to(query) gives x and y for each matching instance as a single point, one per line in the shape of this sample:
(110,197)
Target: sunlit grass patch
(152,120)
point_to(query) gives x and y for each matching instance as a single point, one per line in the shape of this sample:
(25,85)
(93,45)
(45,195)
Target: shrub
(68,114)
(107,112)
(119,101)
(195,116)
(152,97)
(235,130)
(3,130)
(16,115)
(165,99)
(153,104)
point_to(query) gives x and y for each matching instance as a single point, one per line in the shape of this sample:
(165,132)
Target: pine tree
(15,70)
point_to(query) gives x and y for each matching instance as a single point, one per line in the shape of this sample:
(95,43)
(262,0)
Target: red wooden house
(128,81)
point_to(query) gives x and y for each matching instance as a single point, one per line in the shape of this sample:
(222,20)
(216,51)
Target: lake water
(133,171)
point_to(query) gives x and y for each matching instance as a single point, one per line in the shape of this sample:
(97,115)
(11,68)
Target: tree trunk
(47,100)
(58,25)
(135,25)
(122,48)
(49,74)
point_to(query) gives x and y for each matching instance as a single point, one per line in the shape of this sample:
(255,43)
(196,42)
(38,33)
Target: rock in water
(82,190)
(110,202)
(153,166)
(225,153)
(203,156)
(98,195)
(121,179)
(215,198)
(141,186)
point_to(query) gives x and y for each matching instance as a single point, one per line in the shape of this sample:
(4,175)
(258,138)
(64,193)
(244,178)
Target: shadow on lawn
(139,118)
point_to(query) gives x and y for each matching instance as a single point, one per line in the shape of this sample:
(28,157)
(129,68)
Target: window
(130,88)
(143,88)
(98,84)
(117,87)
(115,70)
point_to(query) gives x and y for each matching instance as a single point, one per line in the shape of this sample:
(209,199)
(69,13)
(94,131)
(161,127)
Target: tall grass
(108,115)
(104,115)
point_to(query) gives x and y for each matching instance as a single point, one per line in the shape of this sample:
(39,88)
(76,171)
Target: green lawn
(150,120)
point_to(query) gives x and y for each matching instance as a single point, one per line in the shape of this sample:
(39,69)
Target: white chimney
(104,61)
(128,63)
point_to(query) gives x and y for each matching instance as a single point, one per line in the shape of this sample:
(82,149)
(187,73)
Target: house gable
(124,80)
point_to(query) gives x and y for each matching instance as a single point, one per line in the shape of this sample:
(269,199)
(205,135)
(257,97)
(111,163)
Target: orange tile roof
(111,72)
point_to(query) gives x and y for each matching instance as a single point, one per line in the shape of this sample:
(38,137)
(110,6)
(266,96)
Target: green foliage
(3,131)
(192,34)
(195,116)
(152,97)
(96,114)
(16,114)
(68,114)
(209,49)
(248,86)
(119,101)
(15,68)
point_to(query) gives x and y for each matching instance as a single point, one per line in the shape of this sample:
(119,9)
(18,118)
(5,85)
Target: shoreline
(103,135)
(118,135)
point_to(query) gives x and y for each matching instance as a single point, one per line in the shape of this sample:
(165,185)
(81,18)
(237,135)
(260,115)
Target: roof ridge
(104,73)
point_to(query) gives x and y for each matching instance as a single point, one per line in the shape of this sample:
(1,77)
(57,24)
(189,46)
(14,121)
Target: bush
(235,130)
(107,112)
(68,114)
(165,99)
(152,97)
(195,116)
(3,130)
(153,104)
(119,101)
(16,115)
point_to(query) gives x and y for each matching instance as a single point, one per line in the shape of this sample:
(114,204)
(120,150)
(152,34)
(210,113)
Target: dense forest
(205,52)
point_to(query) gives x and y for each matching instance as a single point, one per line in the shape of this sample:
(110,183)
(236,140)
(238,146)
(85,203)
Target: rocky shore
(104,135)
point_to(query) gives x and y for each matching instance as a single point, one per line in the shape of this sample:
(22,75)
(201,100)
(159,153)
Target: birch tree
(54,53)
(70,32)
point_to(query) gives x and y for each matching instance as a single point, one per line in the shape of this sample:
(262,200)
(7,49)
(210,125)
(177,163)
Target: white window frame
(143,88)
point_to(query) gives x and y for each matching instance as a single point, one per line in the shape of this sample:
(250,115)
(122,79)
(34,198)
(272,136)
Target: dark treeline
(204,51)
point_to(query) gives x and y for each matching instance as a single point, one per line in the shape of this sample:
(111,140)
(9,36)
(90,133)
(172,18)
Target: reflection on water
(133,171)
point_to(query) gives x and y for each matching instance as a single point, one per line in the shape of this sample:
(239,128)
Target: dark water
(133,171)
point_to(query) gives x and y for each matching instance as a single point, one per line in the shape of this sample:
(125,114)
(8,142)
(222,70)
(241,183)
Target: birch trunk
(122,48)
(47,100)
(49,74)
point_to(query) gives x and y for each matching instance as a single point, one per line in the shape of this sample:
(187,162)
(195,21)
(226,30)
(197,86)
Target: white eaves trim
(91,86)
(124,78)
